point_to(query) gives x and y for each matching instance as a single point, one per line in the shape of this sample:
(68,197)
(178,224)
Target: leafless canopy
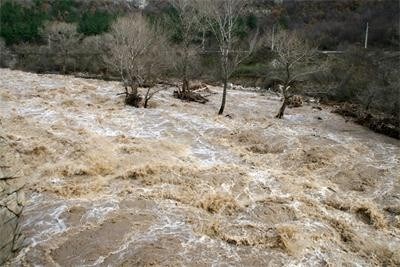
(62,39)
(186,53)
(137,51)
(294,58)
(222,16)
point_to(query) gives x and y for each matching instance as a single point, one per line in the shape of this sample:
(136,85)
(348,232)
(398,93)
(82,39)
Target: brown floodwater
(177,185)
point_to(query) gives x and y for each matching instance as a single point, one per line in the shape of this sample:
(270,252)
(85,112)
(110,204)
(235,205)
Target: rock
(12,200)
(20,198)
(14,186)
(18,242)
(5,216)
(4,175)
(12,204)
(7,232)
(2,187)
(5,252)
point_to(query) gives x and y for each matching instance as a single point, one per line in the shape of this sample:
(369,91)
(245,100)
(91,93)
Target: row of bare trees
(144,52)
(140,50)
(141,53)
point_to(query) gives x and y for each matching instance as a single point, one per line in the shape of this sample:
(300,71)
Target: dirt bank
(175,185)
(384,124)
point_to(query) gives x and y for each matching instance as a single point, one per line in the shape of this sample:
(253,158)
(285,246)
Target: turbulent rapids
(111,185)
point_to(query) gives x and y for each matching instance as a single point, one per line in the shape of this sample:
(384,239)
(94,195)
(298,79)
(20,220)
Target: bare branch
(137,50)
(222,16)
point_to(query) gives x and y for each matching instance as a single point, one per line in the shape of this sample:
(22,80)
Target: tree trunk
(203,41)
(146,98)
(369,101)
(185,86)
(65,64)
(133,98)
(221,110)
(65,61)
(134,89)
(282,109)
(185,80)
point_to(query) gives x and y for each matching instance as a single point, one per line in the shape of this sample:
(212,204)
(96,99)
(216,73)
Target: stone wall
(11,205)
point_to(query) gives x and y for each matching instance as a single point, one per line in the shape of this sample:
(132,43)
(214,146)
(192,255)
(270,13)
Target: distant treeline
(333,24)
(23,22)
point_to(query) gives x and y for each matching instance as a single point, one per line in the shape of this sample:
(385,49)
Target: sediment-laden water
(111,185)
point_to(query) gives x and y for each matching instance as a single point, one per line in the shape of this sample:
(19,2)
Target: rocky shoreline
(11,205)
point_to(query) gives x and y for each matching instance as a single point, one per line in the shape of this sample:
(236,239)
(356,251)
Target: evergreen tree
(20,24)
(93,23)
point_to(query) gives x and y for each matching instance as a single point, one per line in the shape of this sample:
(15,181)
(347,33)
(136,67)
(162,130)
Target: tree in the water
(184,24)
(224,19)
(294,60)
(137,51)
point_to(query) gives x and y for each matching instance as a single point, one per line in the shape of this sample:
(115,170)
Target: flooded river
(177,185)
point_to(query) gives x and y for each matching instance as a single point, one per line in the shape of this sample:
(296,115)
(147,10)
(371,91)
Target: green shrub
(93,23)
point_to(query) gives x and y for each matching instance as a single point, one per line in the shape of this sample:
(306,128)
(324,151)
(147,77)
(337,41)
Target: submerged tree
(185,24)
(137,51)
(223,17)
(294,58)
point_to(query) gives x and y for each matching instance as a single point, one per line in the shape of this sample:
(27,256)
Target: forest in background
(71,36)
(334,24)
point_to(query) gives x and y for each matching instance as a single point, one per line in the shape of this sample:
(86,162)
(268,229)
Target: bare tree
(136,51)
(155,66)
(91,50)
(62,40)
(188,24)
(223,16)
(293,60)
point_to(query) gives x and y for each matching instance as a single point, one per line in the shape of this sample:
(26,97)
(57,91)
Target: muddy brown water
(177,185)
